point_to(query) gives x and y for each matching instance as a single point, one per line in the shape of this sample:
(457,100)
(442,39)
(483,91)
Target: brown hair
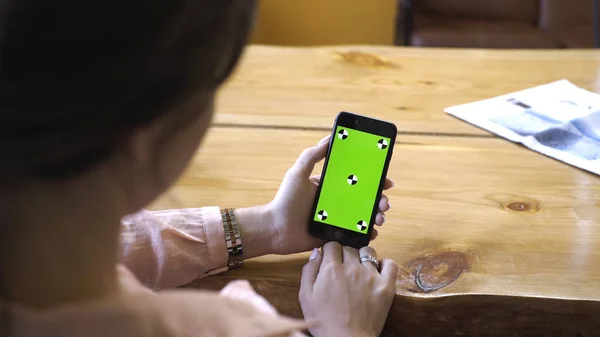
(77,77)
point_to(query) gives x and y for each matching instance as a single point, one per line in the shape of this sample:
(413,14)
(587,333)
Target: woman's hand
(289,212)
(343,296)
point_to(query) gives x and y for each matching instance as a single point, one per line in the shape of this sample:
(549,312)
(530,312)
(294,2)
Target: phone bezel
(366,124)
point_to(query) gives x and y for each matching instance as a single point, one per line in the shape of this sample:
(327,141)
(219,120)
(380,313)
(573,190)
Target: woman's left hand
(289,212)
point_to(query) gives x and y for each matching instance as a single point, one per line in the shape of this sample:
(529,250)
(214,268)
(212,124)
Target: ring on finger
(370,259)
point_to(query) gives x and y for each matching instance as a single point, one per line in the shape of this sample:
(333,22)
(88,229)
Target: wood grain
(489,234)
(466,315)
(308,86)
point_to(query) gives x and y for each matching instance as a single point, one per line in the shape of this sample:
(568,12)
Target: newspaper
(559,120)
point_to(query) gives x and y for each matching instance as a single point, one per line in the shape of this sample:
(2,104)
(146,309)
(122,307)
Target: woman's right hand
(346,297)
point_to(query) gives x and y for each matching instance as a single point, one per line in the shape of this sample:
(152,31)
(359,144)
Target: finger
(309,157)
(310,271)
(389,183)
(315,180)
(380,219)
(374,234)
(366,252)
(384,203)
(324,140)
(389,271)
(332,253)
(350,255)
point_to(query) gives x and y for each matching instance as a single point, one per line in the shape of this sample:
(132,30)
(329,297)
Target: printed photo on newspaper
(559,120)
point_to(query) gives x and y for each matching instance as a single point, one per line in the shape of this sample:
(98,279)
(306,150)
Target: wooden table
(506,241)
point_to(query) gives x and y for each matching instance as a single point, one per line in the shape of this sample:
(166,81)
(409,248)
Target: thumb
(309,157)
(310,271)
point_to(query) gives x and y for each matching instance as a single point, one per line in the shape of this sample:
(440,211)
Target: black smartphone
(353,176)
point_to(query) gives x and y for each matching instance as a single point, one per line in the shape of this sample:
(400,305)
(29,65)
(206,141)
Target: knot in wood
(519,206)
(440,270)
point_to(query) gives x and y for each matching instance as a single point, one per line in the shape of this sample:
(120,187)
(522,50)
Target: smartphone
(353,176)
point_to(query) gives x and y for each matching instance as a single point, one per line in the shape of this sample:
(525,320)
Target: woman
(102,106)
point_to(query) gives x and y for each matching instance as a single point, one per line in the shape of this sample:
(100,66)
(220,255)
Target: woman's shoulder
(203,313)
(237,310)
(136,311)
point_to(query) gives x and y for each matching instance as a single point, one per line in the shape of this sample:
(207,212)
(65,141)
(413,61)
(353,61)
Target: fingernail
(383,216)
(393,183)
(389,204)
(325,139)
(314,254)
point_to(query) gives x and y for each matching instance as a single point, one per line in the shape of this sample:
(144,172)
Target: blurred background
(528,24)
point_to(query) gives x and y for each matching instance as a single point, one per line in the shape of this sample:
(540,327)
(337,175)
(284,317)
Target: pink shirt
(162,249)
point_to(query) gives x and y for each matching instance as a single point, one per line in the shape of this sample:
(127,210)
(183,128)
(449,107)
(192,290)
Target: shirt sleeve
(171,248)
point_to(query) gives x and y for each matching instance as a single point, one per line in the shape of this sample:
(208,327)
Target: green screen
(352,179)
